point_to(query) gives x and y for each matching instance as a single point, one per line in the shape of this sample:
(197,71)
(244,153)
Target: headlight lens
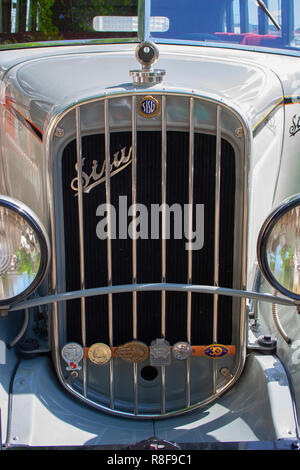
(24,251)
(279,248)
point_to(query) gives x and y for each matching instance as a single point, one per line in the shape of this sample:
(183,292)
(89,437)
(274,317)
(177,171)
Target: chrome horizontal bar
(62,297)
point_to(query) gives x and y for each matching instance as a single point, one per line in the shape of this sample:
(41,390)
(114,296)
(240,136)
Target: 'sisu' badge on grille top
(148,107)
(72,353)
(99,353)
(216,350)
(160,353)
(134,351)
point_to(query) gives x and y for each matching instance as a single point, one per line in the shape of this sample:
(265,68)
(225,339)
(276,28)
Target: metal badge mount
(160,353)
(146,53)
(72,353)
(99,353)
(182,350)
(133,351)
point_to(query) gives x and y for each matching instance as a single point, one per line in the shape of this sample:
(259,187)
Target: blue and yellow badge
(216,350)
(148,107)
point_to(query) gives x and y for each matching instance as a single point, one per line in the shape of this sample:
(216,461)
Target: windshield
(232,23)
(29,21)
(235,22)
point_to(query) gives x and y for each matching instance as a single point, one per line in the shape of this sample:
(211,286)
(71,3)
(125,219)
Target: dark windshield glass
(235,23)
(240,22)
(23,21)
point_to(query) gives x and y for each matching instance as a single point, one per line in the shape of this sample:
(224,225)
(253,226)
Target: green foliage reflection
(49,20)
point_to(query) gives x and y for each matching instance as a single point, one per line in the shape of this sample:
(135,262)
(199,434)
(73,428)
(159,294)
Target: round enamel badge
(148,107)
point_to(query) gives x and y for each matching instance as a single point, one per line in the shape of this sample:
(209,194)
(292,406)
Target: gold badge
(148,107)
(99,353)
(135,351)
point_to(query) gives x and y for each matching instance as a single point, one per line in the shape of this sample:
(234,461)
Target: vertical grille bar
(217,236)
(163,200)
(163,238)
(109,263)
(190,253)
(133,189)
(134,258)
(81,241)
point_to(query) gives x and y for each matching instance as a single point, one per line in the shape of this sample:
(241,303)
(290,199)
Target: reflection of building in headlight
(5,253)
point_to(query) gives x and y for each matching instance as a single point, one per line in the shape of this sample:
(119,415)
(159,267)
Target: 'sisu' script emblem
(295,127)
(96,177)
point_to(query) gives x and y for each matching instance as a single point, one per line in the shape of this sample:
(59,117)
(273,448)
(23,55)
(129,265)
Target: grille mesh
(149,251)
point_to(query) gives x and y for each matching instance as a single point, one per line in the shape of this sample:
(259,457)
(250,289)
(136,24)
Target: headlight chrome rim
(33,221)
(266,229)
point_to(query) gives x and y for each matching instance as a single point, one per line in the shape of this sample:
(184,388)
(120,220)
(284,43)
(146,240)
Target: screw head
(59,132)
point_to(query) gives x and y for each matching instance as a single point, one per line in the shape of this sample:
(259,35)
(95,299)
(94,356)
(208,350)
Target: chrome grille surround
(80,389)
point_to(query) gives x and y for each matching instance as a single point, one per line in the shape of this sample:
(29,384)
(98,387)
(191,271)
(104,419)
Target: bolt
(267,341)
(239,132)
(72,376)
(3,313)
(59,132)
(226,372)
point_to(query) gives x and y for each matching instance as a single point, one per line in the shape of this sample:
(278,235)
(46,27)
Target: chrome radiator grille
(183,160)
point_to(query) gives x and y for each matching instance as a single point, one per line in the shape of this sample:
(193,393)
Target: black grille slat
(148,251)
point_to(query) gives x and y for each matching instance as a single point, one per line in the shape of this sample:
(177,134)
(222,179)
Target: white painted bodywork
(42,83)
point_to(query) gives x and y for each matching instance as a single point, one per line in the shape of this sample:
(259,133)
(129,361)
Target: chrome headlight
(278,248)
(24,251)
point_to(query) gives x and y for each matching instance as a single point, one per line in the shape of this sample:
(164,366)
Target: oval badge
(148,107)
(216,350)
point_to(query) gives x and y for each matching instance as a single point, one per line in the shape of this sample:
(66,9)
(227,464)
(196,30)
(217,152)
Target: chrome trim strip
(144,20)
(264,121)
(81,241)
(109,267)
(197,289)
(217,222)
